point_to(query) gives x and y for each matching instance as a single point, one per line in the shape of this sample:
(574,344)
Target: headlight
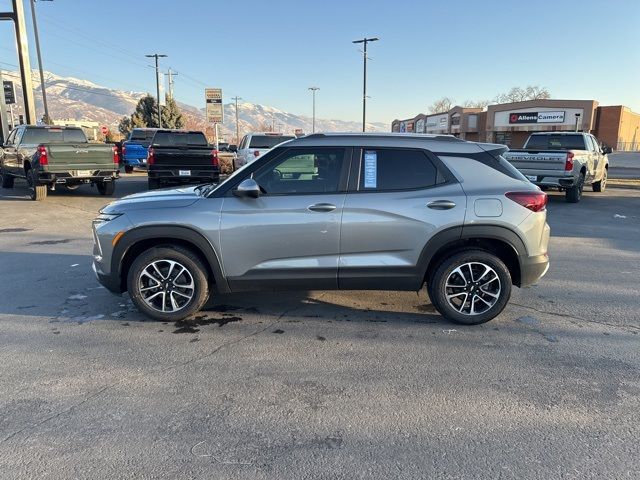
(105,217)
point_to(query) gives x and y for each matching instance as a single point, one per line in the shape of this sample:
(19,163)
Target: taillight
(214,158)
(42,155)
(534,201)
(256,153)
(151,156)
(568,164)
(116,157)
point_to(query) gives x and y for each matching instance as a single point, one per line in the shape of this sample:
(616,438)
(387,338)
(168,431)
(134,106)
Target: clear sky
(269,52)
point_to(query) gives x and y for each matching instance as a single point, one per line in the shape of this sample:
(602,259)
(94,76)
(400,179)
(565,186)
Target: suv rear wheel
(167,283)
(471,287)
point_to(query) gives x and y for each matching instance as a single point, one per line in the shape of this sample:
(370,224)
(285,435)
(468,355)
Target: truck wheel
(153,183)
(470,287)
(168,283)
(7,180)
(574,194)
(128,169)
(36,192)
(106,188)
(602,184)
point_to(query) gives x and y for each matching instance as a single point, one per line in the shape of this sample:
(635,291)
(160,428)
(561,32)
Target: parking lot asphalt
(308,385)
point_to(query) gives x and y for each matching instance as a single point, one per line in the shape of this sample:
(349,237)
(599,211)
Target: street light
(313,121)
(235,99)
(365,40)
(156,56)
(47,118)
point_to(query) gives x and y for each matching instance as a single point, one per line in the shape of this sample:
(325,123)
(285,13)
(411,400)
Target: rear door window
(383,169)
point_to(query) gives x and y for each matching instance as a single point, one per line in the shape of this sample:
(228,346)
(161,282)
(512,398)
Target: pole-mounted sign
(214,108)
(9,92)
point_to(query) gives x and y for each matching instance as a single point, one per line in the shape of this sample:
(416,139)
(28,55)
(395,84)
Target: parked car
(335,211)
(255,144)
(50,156)
(565,160)
(180,157)
(134,149)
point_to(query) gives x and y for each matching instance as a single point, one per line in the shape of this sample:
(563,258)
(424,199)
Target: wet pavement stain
(321,338)
(15,230)
(126,324)
(189,326)
(278,331)
(25,307)
(50,242)
(193,340)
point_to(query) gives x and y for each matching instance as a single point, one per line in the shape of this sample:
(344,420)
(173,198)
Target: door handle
(441,204)
(322,207)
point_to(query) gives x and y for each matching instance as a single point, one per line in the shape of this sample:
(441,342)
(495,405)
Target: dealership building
(511,123)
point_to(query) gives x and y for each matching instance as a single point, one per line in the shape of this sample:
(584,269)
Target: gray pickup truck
(51,156)
(565,160)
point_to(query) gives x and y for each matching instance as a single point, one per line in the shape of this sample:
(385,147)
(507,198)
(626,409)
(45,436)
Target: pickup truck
(134,149)
(179,156)
(565,160)
(51,156)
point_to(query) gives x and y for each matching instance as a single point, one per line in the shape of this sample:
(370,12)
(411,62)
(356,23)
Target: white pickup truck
(565,160)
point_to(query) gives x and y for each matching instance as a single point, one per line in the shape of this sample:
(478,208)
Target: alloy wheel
(472,288)
(166,286)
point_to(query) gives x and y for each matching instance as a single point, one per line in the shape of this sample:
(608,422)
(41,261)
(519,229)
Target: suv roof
(449,138)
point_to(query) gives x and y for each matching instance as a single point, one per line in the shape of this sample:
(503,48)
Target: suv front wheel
(470,287)
(167,283)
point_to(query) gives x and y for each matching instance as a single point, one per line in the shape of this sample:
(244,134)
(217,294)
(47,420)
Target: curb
(632,184)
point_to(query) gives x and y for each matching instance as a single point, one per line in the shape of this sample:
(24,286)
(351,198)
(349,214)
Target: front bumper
(110,282)
(533,269)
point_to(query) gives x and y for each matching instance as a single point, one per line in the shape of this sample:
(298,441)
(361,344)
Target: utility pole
(313,121)
(47,118)
(235,99)
(156,56)
(17,16)
(170,75)
(365,40)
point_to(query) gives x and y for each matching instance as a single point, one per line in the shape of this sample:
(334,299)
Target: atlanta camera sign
(536,117)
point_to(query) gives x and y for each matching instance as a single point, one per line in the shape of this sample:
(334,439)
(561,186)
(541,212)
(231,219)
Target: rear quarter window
(268,141)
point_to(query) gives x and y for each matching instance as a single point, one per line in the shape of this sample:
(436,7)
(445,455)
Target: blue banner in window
(370,169)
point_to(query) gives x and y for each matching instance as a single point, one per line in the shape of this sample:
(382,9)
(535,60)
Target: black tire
(128,169)
(72,187)
(7,180)
(36,192)
(495,294)
(136,281)
(574,194)
(153,183)
(602,184)
(106,188)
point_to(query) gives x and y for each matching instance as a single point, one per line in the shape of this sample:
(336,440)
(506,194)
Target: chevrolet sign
(536,117)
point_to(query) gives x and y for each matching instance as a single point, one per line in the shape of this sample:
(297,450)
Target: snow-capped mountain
(73,98)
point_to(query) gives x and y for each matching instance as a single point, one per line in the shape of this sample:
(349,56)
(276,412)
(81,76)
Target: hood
(164,198)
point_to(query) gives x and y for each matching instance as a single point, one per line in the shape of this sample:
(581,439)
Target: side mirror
(248,188)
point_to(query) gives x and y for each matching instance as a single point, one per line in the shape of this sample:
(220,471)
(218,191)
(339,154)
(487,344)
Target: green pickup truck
(49,157)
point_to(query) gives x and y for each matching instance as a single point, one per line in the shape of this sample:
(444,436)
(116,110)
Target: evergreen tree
(171,115)
(124,127)
(146,113)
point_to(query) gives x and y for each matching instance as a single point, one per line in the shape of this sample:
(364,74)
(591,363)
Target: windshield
(167,139)
(556,142)
(268,141)
(138,134)
(53,135)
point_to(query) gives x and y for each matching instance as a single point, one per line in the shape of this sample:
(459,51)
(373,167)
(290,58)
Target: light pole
(47,119)
(156,56)
(313,121)
(365,40)
(235,99)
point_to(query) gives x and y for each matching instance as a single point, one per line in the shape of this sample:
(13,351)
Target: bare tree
(518,94)
(476,103)
(441,105)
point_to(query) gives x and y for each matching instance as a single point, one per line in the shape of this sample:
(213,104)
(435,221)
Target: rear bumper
(66,178)
(550,179)
(135,161)
(533,269)
(173,176)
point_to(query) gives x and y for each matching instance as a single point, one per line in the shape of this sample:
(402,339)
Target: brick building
(511,123)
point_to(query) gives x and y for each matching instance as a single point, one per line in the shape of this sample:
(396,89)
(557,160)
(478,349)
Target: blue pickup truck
(134,149)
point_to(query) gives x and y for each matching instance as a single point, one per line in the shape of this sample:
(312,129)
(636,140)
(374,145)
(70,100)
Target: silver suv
(335,211)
